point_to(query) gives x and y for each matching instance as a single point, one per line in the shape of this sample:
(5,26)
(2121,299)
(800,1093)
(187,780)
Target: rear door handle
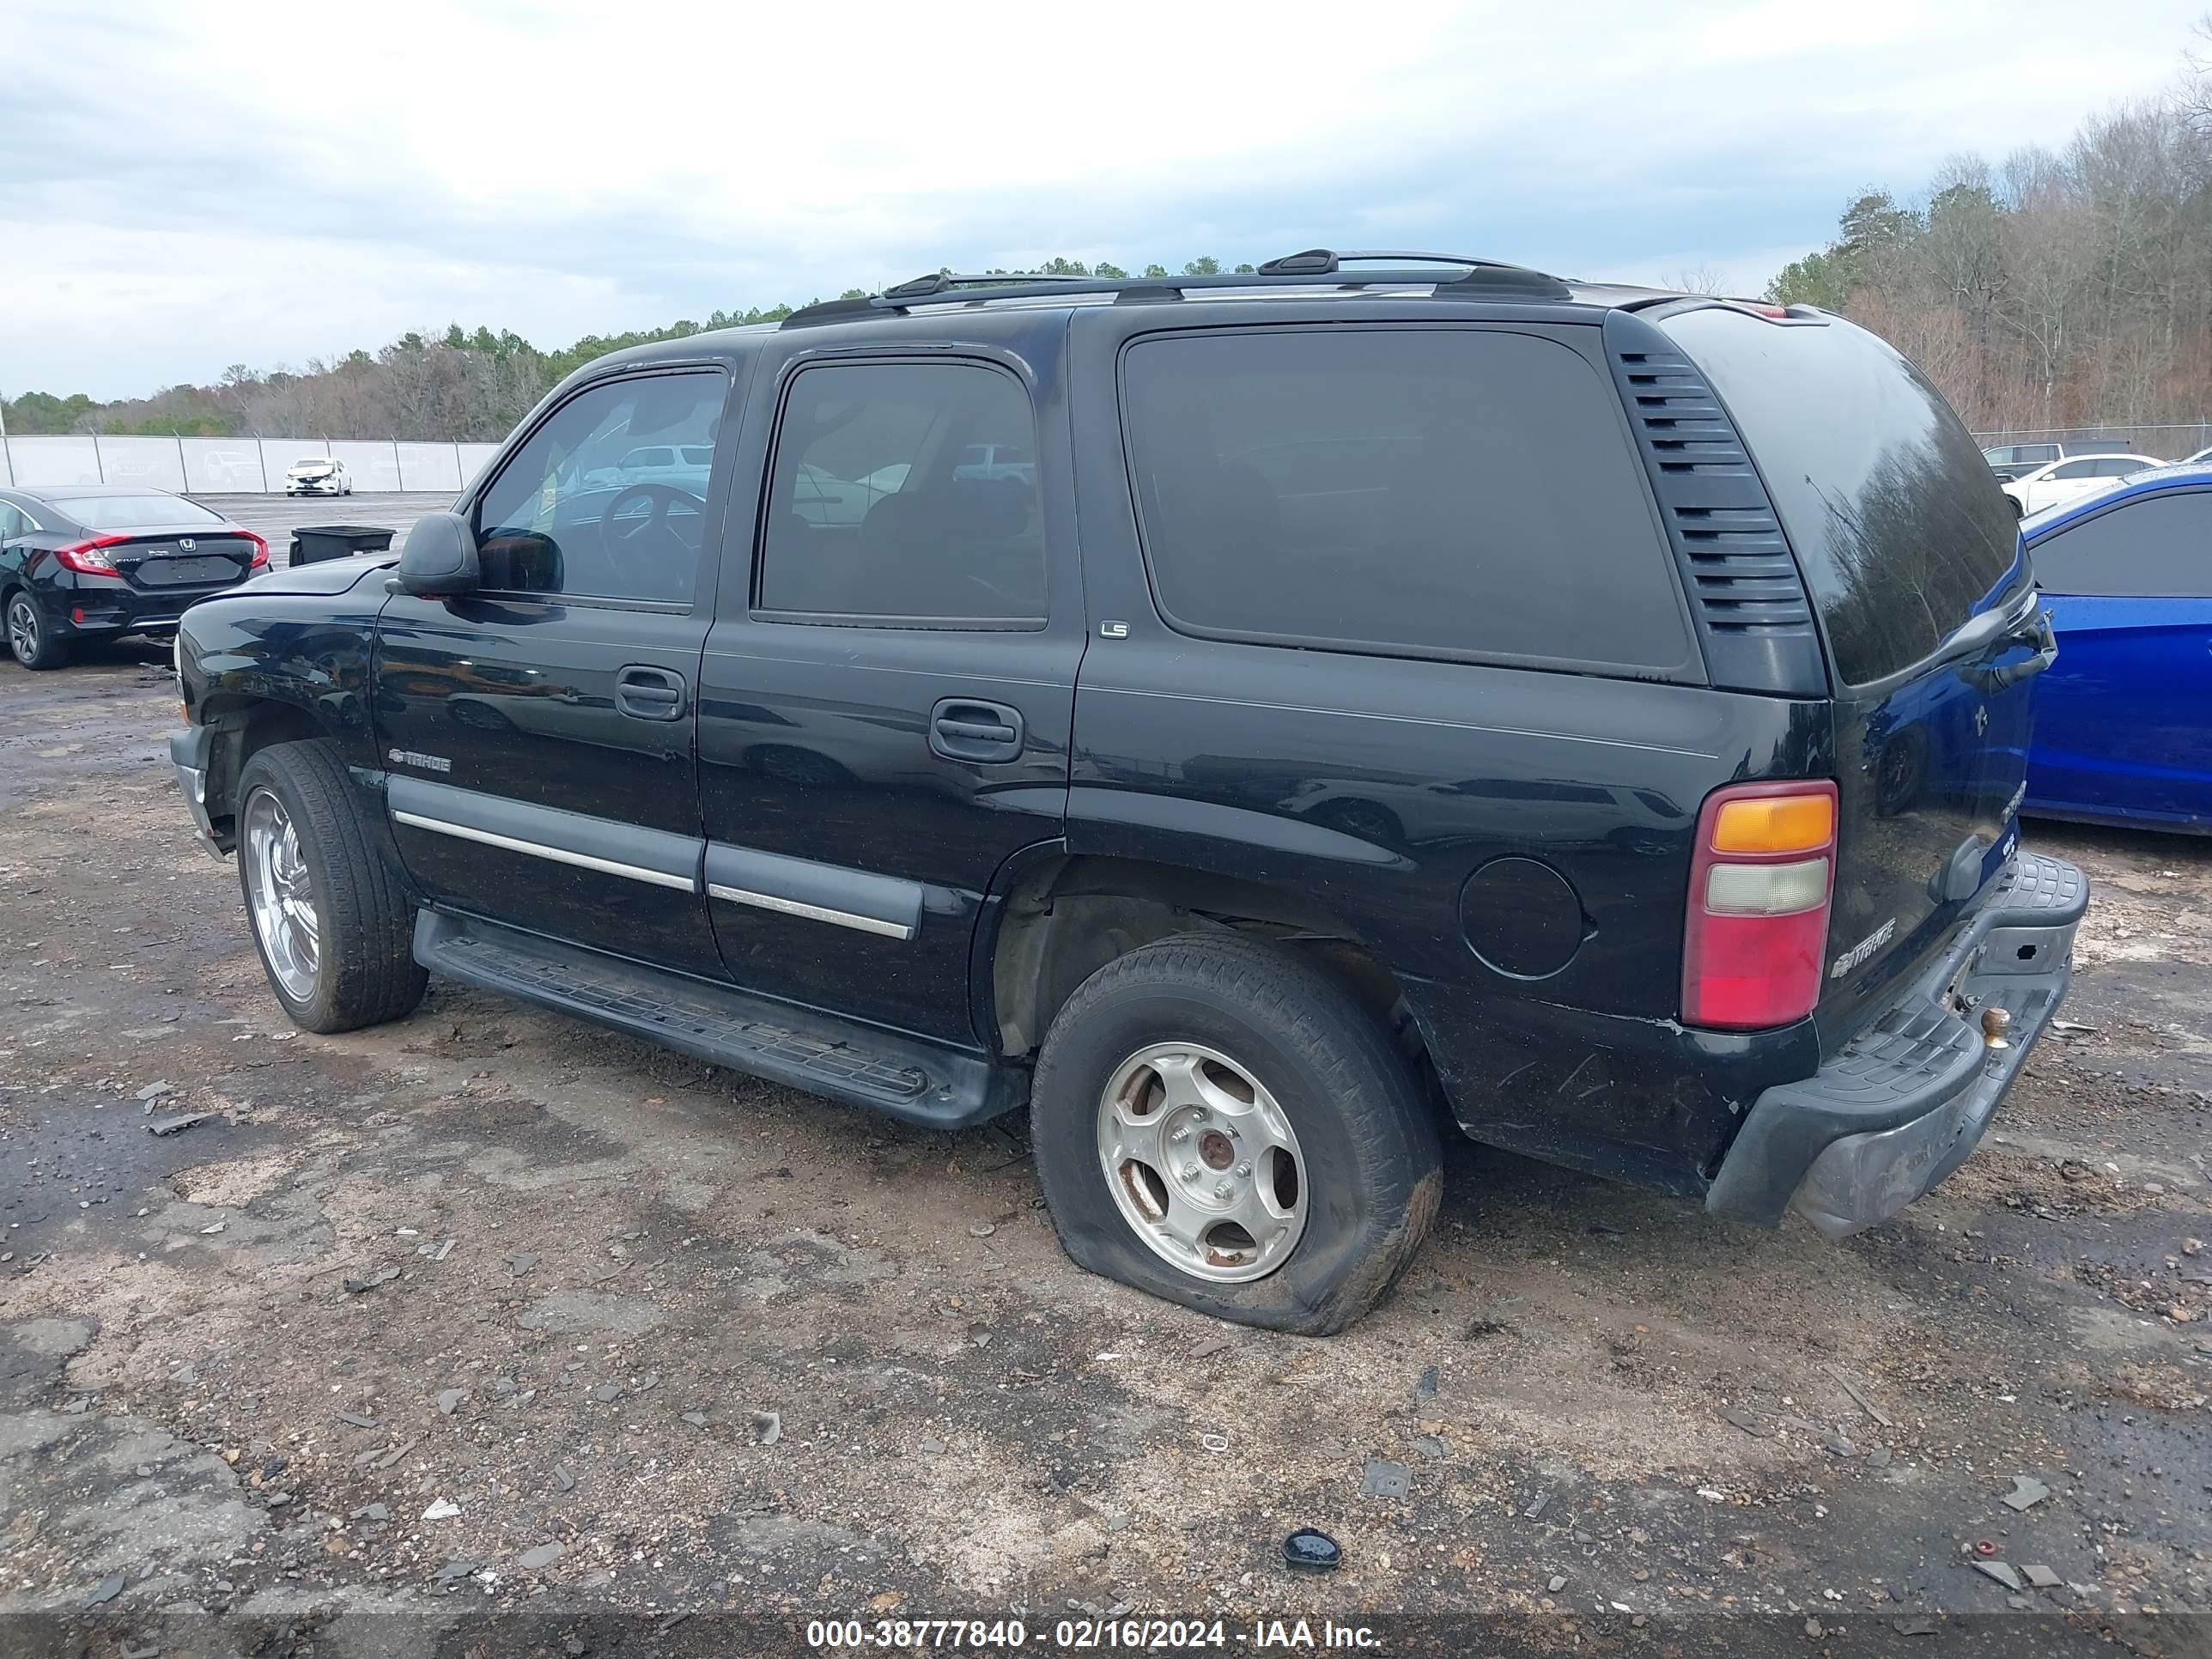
(650,694)
(963,729)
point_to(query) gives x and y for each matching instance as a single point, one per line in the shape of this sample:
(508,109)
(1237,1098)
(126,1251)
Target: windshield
(135,511)
(1897,522)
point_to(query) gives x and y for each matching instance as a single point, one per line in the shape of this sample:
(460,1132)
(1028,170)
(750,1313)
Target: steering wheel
(661,496)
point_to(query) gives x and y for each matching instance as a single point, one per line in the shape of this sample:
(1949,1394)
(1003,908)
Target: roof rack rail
(1314,267)
(932,283)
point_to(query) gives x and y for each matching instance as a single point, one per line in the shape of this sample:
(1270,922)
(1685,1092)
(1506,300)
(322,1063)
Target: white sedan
(319,475)
(2064,481)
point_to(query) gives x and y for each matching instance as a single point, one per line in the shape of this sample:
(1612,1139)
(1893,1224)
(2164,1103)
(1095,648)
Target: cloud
(237,180)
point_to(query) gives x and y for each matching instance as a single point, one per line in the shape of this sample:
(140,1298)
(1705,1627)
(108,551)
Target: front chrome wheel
(281,895)
(1203,1164)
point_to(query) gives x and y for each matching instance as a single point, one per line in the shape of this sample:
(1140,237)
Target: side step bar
(860,1065)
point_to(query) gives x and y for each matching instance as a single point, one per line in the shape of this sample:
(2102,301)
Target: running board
(860,1065)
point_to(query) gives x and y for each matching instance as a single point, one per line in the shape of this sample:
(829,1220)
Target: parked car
(2069,480)
(683,466)
(1524,773)
(997,461)
(96,562)
(2123,723)
(2013,461)
(318,476)
(229,469)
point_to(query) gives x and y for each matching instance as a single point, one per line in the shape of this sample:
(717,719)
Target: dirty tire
(367,972)
(1367,1132)
(32,640)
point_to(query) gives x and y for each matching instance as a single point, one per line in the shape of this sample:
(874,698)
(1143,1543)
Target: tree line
(455,387)
(2053,289)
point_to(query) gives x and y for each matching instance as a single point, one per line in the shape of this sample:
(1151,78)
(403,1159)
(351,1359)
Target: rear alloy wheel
(31,639)
(1219,1121)
(1202,1161)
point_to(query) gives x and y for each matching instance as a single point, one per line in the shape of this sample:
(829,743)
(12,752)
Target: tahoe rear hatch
(1927,614)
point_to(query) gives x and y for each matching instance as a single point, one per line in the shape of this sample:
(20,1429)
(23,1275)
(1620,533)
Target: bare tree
(2195,95)
(1698,279)
(2067,287)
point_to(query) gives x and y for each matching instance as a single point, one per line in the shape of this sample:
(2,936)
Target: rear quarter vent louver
(1742,582)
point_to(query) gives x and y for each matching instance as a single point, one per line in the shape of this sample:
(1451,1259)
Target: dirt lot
(547,1284)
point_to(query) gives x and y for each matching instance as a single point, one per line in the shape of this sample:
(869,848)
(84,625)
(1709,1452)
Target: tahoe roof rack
(1318,267)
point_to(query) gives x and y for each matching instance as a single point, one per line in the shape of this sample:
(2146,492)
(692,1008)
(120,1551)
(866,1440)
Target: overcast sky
(186,184)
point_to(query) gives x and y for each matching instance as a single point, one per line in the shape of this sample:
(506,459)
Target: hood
(330,576)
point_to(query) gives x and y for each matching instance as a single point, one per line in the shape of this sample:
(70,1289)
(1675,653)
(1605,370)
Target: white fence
(219,466)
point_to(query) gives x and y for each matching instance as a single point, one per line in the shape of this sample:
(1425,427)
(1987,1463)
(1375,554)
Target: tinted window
(135,512)
(1898,524)
(562,518)
(2118,466)
(2079,470)
(1441,492)
(881,506)
(2155,544)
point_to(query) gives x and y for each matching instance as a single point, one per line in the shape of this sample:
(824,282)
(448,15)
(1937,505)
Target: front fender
(311,654)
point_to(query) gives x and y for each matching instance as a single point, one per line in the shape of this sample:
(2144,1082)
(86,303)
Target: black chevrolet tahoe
(1247,722)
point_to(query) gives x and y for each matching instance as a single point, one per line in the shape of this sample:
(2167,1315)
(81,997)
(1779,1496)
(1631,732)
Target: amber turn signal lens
(1786,824)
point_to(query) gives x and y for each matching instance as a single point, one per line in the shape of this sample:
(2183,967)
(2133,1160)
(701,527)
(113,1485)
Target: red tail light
(260,549)
(1760,883)
(85,557)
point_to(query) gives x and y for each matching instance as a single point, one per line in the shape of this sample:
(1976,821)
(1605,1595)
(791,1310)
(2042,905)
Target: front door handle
(963,729)
(650,694)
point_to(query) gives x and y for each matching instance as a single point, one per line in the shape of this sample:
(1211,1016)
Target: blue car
(2123,720)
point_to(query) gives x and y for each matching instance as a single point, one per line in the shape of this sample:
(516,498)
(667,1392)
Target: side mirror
(438,560)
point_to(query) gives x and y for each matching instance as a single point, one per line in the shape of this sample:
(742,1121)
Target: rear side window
(1422,491)
(886,505)
(1898,524)
(2152,546)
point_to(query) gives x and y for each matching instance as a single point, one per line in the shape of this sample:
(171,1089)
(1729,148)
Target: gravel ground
(489,1331)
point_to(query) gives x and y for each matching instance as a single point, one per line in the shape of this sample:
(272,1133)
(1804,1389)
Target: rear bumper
(1902,1104)
(113,608)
